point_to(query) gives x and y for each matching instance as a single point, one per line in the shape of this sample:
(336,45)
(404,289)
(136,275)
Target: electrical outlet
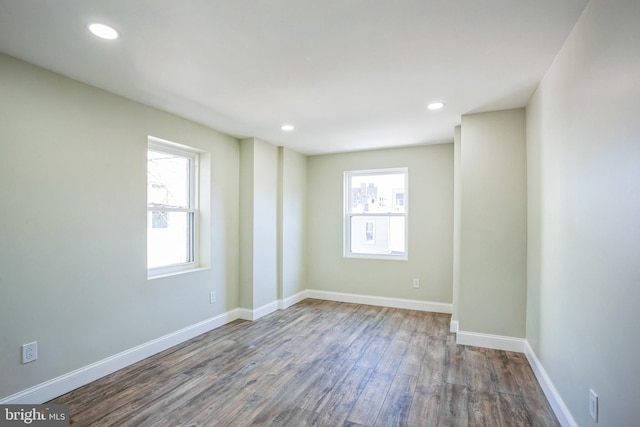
(416,283)
(29,352)
(212,297)
(593,405)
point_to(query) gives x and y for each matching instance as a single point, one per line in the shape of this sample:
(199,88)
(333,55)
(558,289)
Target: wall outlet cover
(593,405)
(29,352)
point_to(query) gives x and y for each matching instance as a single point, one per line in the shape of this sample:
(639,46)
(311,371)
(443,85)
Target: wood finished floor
(320,363)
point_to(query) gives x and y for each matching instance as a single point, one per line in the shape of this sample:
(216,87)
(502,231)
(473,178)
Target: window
(172,214)
(376,214)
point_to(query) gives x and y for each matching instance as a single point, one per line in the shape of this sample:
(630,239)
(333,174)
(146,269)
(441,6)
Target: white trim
(159,145)
(497,342)
(173,147)
(255,314)
(70,381)
(178,272)
(454,326)
(245,314)
(293,299)
(409,304)
(557,404)
(264,310)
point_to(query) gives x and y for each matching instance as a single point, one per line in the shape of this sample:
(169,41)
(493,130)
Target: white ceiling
(349,74)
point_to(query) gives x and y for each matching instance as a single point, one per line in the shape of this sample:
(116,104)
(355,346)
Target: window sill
(176,273)
(377,257)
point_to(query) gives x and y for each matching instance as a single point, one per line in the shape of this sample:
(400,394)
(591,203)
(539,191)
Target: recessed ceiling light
(435,105)
(103,31)
(287,127)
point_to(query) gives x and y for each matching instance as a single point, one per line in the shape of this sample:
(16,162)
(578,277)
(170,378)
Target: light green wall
(457,223)
(430,226)
(73,226)
(246,222)
(293,222)
(584,215)
(265,223)
(259,241)
(493,223)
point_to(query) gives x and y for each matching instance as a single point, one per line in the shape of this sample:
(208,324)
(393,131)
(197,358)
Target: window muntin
(376,213)
(172,213)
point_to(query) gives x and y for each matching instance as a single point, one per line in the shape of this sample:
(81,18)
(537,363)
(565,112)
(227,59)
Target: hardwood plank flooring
(320,363)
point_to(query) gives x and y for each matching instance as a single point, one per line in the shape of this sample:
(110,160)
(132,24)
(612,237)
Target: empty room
(330,213)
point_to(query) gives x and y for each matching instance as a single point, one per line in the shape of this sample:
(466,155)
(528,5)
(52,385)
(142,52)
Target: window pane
(379,193)
(170,243)
(167,180)
(381,235)
(397,244)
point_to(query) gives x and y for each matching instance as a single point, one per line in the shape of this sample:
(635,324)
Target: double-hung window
(376,213)
(172,208)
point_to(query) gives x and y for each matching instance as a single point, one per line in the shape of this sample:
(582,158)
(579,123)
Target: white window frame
(193,241)
(348,203)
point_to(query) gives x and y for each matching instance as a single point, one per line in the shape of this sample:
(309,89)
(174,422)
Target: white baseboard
(293,299)
(264,310)
(497,342)
(437,307)
(65,383)
(245,314)
(557,404)
(454,326)
(70,381)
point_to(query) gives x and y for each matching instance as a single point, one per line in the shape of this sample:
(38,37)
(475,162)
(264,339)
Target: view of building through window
(376,215)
